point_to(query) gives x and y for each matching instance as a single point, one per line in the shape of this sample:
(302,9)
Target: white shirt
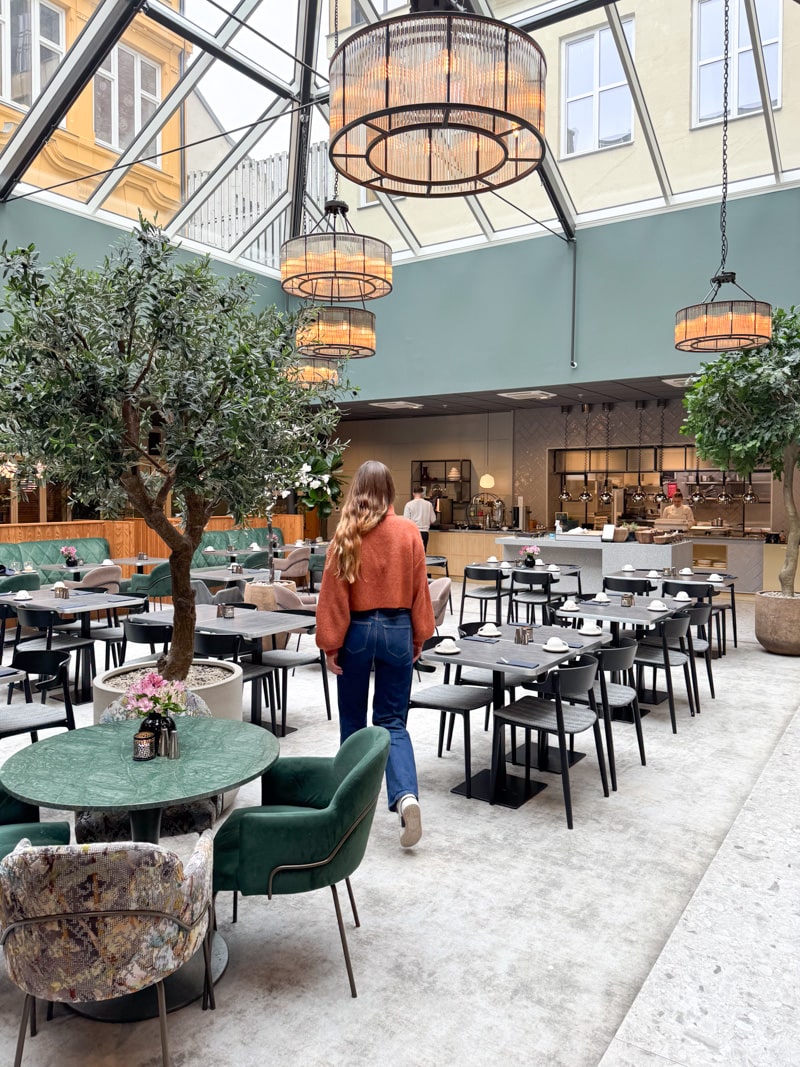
(421,512)
(679,513)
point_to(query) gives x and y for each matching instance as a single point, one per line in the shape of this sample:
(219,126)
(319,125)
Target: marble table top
(93,768)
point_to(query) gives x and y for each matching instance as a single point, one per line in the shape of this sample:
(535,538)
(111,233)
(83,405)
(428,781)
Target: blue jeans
(382,639)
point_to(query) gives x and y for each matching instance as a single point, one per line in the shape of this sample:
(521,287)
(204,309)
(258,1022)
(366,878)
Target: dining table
(140,562)
(80,603)
(246,623)
(225,576)
(501,655)
(93,768)
(61,570)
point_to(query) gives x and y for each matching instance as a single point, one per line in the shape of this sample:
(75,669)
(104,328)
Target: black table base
(548,758)
(512,794)
(181,988)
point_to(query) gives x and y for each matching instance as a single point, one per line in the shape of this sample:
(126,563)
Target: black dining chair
(37,630)
(493,591)
(45,672)
(230,647)
(531,588)
(638,586)
(143,633)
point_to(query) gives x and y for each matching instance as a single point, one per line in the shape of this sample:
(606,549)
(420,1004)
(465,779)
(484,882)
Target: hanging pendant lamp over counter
(724,325)
(437,104)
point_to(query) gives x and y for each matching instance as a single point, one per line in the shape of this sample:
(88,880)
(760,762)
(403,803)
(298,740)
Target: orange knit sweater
(392,575)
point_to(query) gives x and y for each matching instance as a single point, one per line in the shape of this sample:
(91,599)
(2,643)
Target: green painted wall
(499,317)
(58,233)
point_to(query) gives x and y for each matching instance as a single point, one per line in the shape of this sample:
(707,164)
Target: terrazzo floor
(663,930)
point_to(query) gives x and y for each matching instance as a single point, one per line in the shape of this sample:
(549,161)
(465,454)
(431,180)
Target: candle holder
(144,745)
(141,555)
(61,594)
(228,611)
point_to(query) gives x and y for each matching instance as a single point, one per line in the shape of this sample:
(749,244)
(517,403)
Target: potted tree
(97,364)
(744,412)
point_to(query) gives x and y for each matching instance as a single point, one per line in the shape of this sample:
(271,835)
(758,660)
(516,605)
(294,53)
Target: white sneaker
(410,821)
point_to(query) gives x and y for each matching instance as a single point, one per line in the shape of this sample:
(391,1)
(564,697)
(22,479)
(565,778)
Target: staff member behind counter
(677,511)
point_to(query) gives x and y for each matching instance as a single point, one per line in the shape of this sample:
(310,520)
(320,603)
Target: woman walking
(375,611)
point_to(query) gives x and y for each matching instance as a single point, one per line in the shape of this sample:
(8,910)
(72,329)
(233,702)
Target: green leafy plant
(98,363)
(317,485)
(744,412)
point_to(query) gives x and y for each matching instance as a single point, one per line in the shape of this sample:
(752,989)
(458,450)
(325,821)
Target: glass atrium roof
(201,112)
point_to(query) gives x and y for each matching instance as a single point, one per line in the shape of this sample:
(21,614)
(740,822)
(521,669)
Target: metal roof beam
(305,49)
(642,112)
(181,26)
(104,28)
(557,193)
(763,88)
(550,13)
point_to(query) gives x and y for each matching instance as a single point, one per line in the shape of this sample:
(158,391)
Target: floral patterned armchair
(93,922)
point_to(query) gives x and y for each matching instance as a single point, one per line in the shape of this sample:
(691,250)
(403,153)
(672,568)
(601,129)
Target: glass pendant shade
(723,325)
(334,263)
(565,494)
(638,495)
(585,496)
(606,497)
(337,333)
(313,372)
(437,104)
(486,481)
(750,496)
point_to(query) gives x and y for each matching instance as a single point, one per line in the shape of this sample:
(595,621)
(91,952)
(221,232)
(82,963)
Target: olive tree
(744,412)
(95,361)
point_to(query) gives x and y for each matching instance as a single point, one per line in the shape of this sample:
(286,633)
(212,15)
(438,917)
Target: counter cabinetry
(463,547)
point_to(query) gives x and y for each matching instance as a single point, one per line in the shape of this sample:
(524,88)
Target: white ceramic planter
(224,698)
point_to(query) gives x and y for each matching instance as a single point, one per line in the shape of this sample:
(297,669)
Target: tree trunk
(788,571)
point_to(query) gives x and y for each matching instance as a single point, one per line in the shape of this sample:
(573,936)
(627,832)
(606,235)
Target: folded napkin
(485,640)
(520,663)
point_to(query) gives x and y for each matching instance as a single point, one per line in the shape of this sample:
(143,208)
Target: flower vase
(71,561)
(530,561)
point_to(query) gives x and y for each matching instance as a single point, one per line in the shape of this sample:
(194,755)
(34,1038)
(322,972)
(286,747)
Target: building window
(597,110)
(743,95)
(31,47)
(127,91)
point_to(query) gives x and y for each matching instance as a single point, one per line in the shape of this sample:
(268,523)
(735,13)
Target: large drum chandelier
(334,263)
(437,104)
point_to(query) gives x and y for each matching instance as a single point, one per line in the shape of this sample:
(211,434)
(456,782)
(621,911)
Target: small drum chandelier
(724,325)
(437,104)
(313,372)
(334,332)
(334,263)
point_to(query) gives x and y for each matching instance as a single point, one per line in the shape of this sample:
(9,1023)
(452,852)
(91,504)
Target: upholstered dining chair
(440,591)
(311,830)
(19,820)
(88,923)
(295,565)
(107,577)
(45,672)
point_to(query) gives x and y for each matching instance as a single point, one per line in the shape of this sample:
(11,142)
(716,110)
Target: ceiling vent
(529,394)
(395,405)
(679,383)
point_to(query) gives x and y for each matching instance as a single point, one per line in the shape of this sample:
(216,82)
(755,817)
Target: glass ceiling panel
(519,205)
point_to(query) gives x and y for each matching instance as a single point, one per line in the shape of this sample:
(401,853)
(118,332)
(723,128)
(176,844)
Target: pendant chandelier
(638,494)
(606,496)
(723,496)
(585,496)
(565,494)
(696,496)
(724,325)
(335,332)
(313,372)
(750,496)
(334,263)
(660,496)
(437,103)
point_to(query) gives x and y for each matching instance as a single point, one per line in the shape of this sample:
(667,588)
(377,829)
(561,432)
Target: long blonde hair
(369,498)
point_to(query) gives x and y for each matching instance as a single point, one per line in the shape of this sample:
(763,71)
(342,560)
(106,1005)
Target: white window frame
(629,26)
(140,94)
(737,50)
(59,47)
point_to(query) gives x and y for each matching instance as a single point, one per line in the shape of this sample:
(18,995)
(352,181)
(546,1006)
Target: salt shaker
(174,745)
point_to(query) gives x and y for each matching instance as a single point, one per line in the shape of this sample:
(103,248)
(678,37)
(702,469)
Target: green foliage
(744,409)
(318,485)
(94,361)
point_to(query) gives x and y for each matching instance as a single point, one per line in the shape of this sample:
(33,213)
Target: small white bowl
(539,563)
(686,570)
(628,567)
(555,646)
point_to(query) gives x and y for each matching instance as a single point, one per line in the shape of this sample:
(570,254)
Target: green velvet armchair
(312,829)
(18,820)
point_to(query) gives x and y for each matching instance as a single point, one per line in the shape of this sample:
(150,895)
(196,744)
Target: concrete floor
(659,931)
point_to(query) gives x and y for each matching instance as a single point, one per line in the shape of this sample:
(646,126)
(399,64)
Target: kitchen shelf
(433,476)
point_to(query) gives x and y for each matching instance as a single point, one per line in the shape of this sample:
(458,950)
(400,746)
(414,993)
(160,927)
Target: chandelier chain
(305,122)
(723,207)
(335,46)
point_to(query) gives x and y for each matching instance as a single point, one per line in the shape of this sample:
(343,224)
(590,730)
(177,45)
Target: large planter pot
(224,698)
(777,623)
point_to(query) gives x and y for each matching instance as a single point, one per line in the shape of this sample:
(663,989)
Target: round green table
(93,767)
